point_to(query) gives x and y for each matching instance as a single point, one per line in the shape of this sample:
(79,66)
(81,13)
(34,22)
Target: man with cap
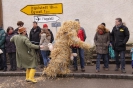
(82,37)
(25,53)
(82,29)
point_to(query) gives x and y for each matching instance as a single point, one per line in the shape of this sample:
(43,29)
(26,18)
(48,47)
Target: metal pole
(56,26)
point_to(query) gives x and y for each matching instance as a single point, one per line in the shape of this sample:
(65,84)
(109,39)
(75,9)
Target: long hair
(8,29)
(46,32)
(102,27)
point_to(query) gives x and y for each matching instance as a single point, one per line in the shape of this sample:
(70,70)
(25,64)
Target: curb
(76,75)
(17,73)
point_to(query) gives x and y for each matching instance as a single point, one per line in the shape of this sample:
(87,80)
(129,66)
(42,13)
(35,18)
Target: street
(19,82)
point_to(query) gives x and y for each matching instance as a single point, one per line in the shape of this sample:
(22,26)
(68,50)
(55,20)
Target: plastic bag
(111,52)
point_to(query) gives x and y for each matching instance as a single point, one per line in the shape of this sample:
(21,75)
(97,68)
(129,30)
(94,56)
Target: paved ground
(18,82)
(67,82)
(89,69)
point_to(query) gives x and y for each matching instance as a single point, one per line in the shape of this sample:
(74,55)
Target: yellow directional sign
(42,9)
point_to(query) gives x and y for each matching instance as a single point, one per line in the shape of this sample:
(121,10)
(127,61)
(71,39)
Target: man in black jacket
(35,38)
(119,37)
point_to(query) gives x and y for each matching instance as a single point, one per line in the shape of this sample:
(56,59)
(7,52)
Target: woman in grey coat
(102,40)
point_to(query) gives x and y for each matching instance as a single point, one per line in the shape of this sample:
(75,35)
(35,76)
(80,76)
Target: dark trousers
(3,63)
(38,52)
(122,59)
(12,57)
(103,57)
(81,55)
(106,61)
(48,52)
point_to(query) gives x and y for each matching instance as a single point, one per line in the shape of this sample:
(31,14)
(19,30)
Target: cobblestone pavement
(19,82)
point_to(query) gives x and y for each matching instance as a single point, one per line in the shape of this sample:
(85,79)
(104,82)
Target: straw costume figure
(61,52)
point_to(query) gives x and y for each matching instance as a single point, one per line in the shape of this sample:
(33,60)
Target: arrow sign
(41,9)
(46,18)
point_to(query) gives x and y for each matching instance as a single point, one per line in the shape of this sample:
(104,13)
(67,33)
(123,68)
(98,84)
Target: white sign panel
(44,19)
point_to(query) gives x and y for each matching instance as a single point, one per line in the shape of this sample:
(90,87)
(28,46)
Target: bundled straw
(60,55)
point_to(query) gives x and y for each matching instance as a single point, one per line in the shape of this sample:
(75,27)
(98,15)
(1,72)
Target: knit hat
(21,29)
(103,24)
(45,25)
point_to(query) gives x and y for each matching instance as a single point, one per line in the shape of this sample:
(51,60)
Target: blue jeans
(45,57)
(122,58)
(3,59)
(106,61)
(81,55)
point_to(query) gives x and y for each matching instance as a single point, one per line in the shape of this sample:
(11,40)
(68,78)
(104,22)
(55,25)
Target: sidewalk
(89,73)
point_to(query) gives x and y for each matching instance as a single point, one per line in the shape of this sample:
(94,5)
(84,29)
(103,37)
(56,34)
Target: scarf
(100,32)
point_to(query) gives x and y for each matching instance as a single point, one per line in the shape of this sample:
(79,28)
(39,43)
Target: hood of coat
(101,27)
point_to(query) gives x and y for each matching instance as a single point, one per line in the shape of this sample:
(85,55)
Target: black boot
(75,69)
(1,68)
(14,69)
(10,69)
(5,69)
(83,69)
(123,71)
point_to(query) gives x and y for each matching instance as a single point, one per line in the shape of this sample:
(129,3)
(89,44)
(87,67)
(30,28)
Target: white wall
(90,12)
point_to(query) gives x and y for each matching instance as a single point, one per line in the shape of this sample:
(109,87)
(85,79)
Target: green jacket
(2,38)
(25,52)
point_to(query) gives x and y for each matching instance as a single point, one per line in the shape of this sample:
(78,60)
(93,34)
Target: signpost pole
(56,26)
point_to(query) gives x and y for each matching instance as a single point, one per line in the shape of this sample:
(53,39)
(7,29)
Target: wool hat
(21,29)
(103,24)
(45,25)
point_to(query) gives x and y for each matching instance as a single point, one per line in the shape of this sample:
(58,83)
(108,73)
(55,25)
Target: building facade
(91,13)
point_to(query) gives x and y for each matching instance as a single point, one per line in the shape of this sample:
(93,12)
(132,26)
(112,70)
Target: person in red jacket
(81,52)
(81,35)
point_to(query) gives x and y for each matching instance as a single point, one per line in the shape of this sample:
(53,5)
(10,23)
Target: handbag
(111,52)
(1,51)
